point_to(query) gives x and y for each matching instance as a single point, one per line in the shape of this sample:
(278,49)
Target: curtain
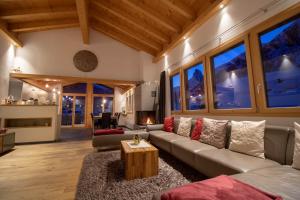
(162,97)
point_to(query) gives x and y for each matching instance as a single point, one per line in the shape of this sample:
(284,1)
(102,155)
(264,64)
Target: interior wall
(7,53)
(51,52)
(233,14)
(150,77)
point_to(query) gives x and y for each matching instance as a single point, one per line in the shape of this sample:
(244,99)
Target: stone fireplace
(144,118)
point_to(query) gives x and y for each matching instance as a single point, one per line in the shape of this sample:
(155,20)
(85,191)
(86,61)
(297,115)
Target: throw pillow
(248,138)
(185,126)
(296,158)
(197,129)
(169,124)
(214,132)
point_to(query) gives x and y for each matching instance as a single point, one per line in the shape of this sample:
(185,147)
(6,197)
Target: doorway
(73,110)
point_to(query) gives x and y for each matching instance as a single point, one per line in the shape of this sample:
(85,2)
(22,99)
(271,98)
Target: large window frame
(257,86)
(173,73)
(199,60)
(260,88)
(223,48)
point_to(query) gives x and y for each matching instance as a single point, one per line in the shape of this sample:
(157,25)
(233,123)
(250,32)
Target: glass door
(79,110)
(67,111)
(73,111)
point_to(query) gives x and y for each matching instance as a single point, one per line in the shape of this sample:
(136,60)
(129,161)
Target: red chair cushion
(169,124)
(197,129)
(109,131)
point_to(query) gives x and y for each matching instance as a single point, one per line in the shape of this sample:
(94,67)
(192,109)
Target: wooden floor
(42,171)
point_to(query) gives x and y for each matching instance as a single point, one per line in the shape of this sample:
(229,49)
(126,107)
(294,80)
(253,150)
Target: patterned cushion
(169,124)
(248,138)
(296,158)
(197,129)
(185,125)
(214,132)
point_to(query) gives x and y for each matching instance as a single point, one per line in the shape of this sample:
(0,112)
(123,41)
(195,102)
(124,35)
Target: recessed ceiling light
(47,86)
(222,6)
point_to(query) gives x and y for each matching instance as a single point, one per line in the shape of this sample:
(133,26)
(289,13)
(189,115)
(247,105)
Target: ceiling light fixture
(47,86)
(221,6)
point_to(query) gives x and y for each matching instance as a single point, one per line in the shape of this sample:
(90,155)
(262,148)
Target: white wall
(234,13)
(51,53)
(150,74)
(7,53)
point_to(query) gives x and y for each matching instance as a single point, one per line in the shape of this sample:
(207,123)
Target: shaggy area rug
(102,177)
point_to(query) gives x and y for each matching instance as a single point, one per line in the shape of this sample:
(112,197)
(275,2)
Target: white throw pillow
(296,158)
(248,137)
(185,126)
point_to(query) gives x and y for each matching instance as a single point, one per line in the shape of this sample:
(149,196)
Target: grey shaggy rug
(102,177)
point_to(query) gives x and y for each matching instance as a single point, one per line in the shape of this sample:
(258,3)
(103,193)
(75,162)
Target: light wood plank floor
(42,171)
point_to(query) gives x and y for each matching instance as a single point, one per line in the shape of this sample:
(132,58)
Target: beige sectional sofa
(273,174)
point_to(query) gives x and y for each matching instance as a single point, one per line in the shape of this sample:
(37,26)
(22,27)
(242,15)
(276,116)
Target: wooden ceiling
(153,26)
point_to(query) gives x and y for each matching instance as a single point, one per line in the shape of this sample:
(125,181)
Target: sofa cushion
(275,142)
(248,137)
(185,126)
(164,139)
(214,132)
(197,129)
(296,158)
(223,161)
(154,127)
(281,180)
(169,124)
(185,150)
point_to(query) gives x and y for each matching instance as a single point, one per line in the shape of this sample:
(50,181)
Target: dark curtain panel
(162,97)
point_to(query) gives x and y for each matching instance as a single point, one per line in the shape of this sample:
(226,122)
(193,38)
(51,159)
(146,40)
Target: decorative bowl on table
(136,139)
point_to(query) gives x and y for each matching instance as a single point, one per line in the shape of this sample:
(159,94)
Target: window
(102,105)
(280,50)
(102,89)
(103,99)
(175,92)
(230,81)
(194,78)
(75,88)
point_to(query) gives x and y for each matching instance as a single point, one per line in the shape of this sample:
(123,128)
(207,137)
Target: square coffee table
(140,162)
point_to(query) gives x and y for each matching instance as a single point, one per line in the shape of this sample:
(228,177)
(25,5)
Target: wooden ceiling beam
(9,35)
(134,21)
(121,37)
(82,11)
(126,30)
(70,79)
(43,25)
(152,14)
(210,10)
(180,8)
(38,13)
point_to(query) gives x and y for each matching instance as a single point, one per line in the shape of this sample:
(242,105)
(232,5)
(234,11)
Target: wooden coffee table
(139,162)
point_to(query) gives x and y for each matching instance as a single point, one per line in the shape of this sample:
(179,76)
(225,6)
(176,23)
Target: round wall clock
(85,61)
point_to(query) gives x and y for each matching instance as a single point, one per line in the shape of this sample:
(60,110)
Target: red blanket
(219,188)
(109,131)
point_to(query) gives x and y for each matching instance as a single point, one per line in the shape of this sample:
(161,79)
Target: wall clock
(85,61)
